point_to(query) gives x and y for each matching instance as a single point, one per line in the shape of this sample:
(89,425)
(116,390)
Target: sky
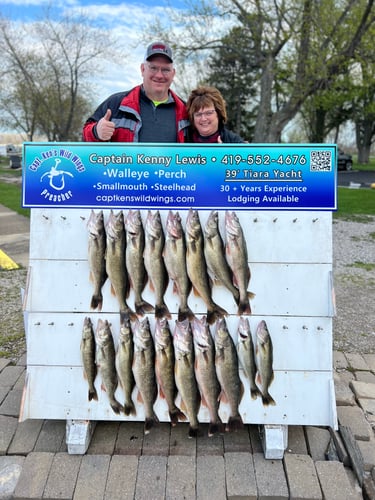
(124,19)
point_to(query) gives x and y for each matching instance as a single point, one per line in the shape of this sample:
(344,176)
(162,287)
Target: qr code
(321,160)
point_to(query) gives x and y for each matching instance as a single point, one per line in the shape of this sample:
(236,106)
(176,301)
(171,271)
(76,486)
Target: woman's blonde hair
(205,97)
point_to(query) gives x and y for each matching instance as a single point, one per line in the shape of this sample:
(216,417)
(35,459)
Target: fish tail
(129,408)
(93,395)
(215,428)
(216,313)
(176,415)
(116,407)
(150,423)
(126,314)
(244,307)
(234,424)
(185,313)
(255,392)
(143,307)
(194,432)
(268,400)
(162,311)
(97,301)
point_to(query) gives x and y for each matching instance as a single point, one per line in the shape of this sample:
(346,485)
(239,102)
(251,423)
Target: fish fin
(258,378)
(93,395)
(268,400)
(161,393)
(223,397)
(234,424)
(103,387)
(150,422)
(143,307)
(203,400)
(162,311)
(195,292)
(113,292)
(97,302)
(129,408)
(139,397)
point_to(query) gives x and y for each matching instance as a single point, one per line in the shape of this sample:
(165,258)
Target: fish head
(115,225)
(153,225)
(232,224)
(125,331)
(142,334)
(221,333)
(103,332)
(193,225)
(162,333)
(133,222)
(243,329)
(174,226)
(87,328)
(201,334)
(212,224)
(95,224)
(182,336)
(262,332)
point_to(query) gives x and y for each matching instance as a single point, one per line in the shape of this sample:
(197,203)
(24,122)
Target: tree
(232,71)
(300,47)
(45,69)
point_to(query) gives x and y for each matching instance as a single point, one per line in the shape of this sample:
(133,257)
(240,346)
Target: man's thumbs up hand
(104,127)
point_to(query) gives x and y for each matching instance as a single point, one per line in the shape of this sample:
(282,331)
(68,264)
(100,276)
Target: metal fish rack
(290,257)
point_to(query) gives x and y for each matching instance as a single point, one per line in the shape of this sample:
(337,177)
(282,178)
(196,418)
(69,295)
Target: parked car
(15,156)
(344,160)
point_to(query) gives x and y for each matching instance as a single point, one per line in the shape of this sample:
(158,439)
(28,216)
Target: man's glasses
(155,69)
(205,114)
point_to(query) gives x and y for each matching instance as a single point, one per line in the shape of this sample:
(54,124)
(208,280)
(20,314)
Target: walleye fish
(105,360)
(197,268)
(115,262)
(96,257)
(205,373)
(135,244)
(164,368)
(88,348)
(184,374)
(214,252)
(174,255)
(246,355)
(236,255)
(144,370)
(154,262)
(124,361)
(226,362)
(264,360)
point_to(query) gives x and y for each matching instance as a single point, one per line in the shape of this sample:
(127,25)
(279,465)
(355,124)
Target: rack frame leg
(78,435)
(274,440)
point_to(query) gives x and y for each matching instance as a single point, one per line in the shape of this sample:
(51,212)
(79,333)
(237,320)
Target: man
(149,112)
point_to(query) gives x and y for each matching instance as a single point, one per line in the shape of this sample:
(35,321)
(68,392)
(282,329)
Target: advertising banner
(177,176)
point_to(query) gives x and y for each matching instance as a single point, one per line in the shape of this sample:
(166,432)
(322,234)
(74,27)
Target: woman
(207,114)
